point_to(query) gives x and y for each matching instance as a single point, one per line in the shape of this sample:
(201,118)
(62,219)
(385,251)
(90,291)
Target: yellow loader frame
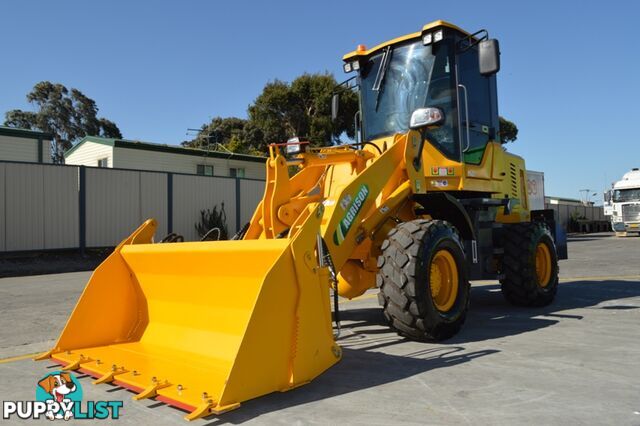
(204,326)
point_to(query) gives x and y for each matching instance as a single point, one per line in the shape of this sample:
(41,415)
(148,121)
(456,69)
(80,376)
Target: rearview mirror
(335,104)
(489,57)
(423,117)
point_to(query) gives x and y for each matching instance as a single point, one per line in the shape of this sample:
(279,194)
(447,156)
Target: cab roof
(427,27)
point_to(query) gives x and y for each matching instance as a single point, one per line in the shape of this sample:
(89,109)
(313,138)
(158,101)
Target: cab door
(477,111)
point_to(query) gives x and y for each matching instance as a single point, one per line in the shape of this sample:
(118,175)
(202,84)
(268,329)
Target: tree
(508,131)
(219,130)
(232,133)
(283,110)
(67,114)
(302,109)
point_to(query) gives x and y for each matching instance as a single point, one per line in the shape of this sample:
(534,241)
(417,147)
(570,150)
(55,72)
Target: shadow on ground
(359,369)
(490,317)
(57,262)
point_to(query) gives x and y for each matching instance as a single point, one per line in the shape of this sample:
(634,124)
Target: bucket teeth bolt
(135,372)
(114,367)
(98,362)
(154,379)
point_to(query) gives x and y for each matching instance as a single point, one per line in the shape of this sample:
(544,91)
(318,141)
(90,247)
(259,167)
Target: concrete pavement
(574,362)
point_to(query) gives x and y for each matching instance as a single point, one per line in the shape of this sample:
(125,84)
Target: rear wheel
(422,278)
(530,265)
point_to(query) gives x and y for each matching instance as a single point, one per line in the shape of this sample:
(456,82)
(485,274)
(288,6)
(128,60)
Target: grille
(631,212)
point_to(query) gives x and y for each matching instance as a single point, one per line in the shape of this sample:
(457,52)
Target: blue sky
(570,75)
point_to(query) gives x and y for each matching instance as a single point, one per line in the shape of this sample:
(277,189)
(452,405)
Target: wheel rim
(543,264)
(443,280)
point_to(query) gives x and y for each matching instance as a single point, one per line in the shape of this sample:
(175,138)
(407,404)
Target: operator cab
(443,75)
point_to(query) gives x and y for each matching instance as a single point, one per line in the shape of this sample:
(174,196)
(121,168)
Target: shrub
(210,220)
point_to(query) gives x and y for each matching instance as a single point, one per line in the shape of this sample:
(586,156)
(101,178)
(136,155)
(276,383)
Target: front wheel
(424,291)
(529,265)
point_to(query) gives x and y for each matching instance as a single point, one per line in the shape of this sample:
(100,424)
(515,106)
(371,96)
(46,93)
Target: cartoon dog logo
(59,386)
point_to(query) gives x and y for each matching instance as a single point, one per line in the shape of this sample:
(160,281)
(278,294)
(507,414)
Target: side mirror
(607,196)
(489,57)
(423,117)
(335,105)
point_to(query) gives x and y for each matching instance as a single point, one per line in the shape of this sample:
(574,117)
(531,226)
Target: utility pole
(588,193)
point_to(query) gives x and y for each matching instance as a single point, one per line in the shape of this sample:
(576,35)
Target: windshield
(622,195)
(416,76)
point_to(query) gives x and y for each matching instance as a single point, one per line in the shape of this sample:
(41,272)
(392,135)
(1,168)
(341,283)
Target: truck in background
(622,204)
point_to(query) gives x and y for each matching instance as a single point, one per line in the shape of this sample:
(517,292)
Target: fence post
(82,205)
(169,203)
(238,205)
(40,154)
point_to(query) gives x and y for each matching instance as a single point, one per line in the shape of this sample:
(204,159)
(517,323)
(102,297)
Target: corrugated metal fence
(566,211)
(45,207)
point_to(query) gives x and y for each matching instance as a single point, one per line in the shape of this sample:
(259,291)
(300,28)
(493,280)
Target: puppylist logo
(59,397)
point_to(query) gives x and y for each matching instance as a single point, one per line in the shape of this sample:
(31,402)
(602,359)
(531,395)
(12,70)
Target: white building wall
(89,153)
(128,158)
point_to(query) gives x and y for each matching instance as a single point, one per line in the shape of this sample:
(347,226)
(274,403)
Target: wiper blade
(378,84)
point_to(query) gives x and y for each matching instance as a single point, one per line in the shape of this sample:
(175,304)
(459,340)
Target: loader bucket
(204,326)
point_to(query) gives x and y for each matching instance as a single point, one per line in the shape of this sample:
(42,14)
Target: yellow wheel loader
(426,200)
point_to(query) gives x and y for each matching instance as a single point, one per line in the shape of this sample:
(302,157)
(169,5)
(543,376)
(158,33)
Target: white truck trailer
(622,204)
(535,189)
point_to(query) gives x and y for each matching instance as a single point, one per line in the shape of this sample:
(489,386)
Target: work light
(434,37)
(295,146)
(351,66)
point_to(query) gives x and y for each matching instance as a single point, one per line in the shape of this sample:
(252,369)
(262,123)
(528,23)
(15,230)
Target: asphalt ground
(576,361)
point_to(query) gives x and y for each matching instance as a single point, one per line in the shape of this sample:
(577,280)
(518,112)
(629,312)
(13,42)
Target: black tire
(520,282)
(404,276)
